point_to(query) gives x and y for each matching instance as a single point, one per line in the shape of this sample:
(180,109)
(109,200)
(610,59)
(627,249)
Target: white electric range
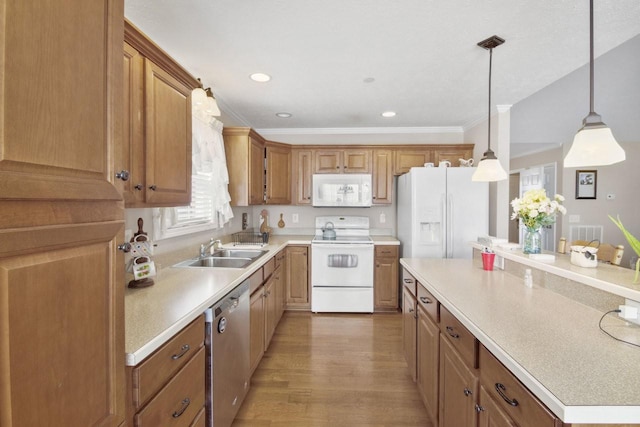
(342,266)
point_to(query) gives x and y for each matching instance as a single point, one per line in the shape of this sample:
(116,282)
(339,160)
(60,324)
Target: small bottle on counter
(528,278)
(562,246)
(617,255)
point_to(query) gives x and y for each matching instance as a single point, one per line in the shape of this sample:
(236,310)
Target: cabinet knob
(467,392)
(337,167)
(479,408)
(123,175)
(124,247)
(152,187)
(138,187)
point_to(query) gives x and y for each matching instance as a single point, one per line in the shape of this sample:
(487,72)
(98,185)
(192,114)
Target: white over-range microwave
(341,190)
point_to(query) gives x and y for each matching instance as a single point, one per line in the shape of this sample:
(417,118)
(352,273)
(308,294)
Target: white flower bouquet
(535,209)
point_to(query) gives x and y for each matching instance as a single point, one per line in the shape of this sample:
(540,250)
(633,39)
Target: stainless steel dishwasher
(227,346)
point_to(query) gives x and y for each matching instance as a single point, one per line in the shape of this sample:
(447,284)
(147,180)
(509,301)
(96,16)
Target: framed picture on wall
(586,183)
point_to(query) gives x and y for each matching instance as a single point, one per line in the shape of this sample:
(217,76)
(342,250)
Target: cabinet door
(356,161)
(281,283)
(382,177)
(270,310)
(428,351)
(298,277)
(256,172)
(490,414)
(407,159)
(452,154)
(409,330)
(61,217)
(168,138)
(256,328)
(328,161)
(302,172)
(278,175)
(129,155)
(385,283)
(458,389)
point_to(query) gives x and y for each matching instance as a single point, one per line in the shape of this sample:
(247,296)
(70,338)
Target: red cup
(487,261)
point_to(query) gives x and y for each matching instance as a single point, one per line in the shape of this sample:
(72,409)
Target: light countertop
(550,342)
(154,314)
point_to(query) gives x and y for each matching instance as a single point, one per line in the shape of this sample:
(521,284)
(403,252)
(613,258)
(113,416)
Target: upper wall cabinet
(245,153)
(408,157)
(154,161)
(343,161)
(302,174)
(278,174)
(382,177)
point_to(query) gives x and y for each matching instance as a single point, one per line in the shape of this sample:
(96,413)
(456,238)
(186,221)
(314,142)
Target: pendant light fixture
(594,144)
(204,101)
(489,168)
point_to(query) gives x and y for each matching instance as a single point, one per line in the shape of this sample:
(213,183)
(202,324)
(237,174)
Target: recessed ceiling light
(284,115)
(388,114)
(369,80)
(260,77)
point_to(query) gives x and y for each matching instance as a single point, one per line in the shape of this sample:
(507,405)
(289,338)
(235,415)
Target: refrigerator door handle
(450,228)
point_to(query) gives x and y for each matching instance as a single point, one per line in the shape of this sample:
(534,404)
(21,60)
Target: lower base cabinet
(490,414)
(427,363)
(458,389)
(297,278)
(409,329)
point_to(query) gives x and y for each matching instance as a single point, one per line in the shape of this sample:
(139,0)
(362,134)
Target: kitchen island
(548,340)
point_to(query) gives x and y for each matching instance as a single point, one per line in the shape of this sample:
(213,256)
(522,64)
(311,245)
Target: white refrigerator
(440,210)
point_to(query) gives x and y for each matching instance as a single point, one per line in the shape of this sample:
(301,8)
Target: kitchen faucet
(206,246)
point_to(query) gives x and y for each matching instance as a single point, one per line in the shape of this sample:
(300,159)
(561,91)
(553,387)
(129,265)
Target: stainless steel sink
(225,258)
(238,253)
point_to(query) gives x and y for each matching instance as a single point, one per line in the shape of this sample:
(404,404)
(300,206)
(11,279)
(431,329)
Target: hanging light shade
(489,168)
(212,105)
(198,98)
(594,144)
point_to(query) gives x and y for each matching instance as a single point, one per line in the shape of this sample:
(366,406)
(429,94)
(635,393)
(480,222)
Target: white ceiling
(421,53)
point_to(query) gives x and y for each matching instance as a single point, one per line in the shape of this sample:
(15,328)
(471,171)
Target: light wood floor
(334,370)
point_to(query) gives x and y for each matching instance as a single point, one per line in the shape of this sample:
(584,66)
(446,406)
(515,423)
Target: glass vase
(532,241)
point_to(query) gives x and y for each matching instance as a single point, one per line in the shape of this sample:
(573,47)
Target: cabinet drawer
(511,395)
(409,282)
(180,401)
(156,370)
(429,303)
(268,267)
(256,280)
(386,251)
(459,336)
(201,420)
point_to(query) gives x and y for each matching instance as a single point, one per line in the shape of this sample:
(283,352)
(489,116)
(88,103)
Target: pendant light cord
(489,109)
(591,59)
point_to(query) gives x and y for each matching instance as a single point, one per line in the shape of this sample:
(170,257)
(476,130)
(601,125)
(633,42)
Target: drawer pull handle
(500,388)
(185,404)
(451,333)
(426,300)
(467,392)
(183,351)
(408,281)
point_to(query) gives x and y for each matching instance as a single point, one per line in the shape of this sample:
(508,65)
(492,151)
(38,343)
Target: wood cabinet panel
(409,316)
(167,138)
(278,175)
(452,154)
(490,414)
(245,153)
(256,328)
(382,178)
(356,161)
(428,356)
(302,176)
(429,303)
(61,277)
(298,278)
(129,155)
(406,159)
(328,161)
(62,346)
(270,308)
(460,337)
(458,389)
(385,278)
(256,172)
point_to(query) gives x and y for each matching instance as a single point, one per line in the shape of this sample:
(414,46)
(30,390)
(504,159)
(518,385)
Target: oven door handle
(337,246)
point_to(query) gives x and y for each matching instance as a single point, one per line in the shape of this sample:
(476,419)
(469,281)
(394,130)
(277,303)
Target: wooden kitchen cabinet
(385,278)
(156,145)
(490,414)
(278,174)
(270,310)
(458,388)
(428,352)
(280,273)
(302,175)
(298,294)
(453,154)
(61,216)
(256,328)
(407,158)
(409,339)
(168,387)
(342,161)
(382,177)
(245,151)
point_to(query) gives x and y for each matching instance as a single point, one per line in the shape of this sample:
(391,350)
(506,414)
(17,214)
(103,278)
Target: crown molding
(360,131)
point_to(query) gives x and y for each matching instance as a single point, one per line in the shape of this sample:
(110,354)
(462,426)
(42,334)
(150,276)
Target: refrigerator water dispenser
(430,233)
